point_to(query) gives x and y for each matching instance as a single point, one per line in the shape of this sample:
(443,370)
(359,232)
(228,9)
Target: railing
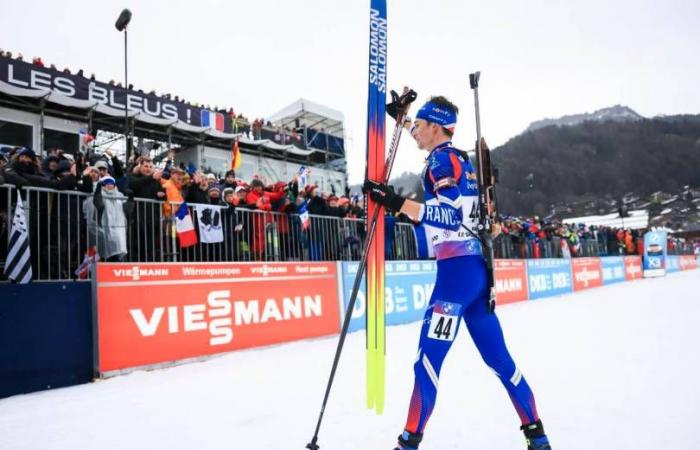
(63,225)
(509,247)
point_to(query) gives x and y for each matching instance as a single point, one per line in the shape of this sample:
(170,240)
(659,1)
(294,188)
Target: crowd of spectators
(533,237)
(113,187)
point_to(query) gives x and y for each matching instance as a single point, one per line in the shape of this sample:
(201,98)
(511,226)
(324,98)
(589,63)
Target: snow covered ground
(612,368)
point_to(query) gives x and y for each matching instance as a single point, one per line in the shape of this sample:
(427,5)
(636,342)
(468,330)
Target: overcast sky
(538,59)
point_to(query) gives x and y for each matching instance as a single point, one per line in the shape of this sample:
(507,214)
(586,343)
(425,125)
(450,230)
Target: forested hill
(597,160)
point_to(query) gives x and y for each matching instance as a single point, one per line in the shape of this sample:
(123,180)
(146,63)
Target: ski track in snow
(612,368)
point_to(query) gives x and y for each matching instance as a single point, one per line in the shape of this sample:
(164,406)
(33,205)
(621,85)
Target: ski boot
(409,441)
(534,434)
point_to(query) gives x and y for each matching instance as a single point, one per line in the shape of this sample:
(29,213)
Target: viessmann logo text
(634,270)
(136,272)
(266,270)
(220,313)
(585,276)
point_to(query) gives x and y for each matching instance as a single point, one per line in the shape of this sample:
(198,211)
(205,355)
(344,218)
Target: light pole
(121,23)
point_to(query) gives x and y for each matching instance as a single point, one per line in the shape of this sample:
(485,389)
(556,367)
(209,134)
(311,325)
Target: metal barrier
(404,246)
(58,234)
(64,225)
(515,247)
(7,200)
(148,237)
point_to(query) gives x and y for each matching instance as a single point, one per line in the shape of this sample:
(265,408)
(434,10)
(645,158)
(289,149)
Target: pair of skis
(378,169)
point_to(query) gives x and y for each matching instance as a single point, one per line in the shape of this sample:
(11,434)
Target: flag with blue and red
(184,226)
(304,216)
(213,120)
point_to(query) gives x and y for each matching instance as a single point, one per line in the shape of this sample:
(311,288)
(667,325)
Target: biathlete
(461,287)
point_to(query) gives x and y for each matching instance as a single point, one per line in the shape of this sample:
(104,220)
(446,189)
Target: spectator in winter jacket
(144,181)
(23,171)
(49,165)
(214,194)
(229,198)
(256,198)
(241,192)
(116,171)
(260,198)
(629,243)
(106,214)
(229,180)
(173,189)
(90,180)
(316,204)
(102,167)
(197,192)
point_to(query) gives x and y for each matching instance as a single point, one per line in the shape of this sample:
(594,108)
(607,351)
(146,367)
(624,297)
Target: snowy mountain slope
(618,113)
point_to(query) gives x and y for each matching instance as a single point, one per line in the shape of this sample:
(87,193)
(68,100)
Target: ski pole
(401,120)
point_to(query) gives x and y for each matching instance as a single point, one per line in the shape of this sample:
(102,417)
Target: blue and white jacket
(451,200)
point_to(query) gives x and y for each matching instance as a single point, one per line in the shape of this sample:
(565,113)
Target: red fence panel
(510,280)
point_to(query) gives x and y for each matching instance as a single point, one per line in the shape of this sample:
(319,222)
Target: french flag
(212,120)
(185,229)
(304,216)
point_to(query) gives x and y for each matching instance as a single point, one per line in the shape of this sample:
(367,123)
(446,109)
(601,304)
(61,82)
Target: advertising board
(152,313)
(547,277)
(408,286)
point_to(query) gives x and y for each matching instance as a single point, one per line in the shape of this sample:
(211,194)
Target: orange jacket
(173,193)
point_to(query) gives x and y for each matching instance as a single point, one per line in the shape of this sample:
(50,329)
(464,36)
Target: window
(15,134)
(60,139)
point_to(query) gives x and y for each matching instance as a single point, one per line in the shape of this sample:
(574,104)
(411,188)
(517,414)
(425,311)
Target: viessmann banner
(587,273)
(155,313)
(688,262)
(510,280)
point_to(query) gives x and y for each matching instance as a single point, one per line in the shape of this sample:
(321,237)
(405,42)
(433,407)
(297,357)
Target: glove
(401,102)
(384,195)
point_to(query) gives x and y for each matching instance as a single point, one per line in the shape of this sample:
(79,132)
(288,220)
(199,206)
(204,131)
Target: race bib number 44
(445,321)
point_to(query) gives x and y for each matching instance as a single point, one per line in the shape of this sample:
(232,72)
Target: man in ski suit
(461,287)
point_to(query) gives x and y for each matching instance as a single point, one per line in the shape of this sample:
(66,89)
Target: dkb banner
(408,286)
(547,277)
(613,269)
(673,263)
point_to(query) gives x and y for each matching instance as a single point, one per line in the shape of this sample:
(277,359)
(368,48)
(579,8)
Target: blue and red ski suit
(461,289)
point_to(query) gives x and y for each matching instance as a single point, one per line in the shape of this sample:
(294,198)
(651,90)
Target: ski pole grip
(474,79)
(408,98)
